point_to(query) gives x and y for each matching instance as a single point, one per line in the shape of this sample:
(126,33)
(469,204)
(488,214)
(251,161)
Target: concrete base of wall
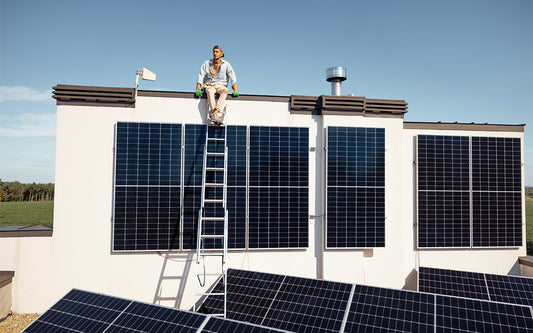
(5,293)
(526,266)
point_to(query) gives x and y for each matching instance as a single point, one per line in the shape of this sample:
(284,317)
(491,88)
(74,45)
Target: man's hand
(198,93)
(235,94)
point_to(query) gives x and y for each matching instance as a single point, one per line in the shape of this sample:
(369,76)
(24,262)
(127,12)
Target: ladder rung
(213,200)
(212,218)
(212,236)
(210,274)
(217,314)
(215,154)
(210,294)
(214,169)
(216,139)
(212,254)
(214,184)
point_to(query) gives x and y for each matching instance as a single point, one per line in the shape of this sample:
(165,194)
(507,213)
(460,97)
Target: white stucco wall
(78,255)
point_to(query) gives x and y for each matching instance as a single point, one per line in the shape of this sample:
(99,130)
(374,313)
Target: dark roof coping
(325,104)
(463,126)
(26,231)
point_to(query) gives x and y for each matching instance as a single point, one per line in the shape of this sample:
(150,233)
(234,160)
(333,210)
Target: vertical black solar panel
(147,186)
(376,309)
(455,314)
(497,196)
(278,187)
(236,204)
(355,187)
(236,200)
(443,164)
(83,311)
(452,283)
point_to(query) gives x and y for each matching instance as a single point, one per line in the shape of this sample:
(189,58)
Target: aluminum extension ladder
(213,214)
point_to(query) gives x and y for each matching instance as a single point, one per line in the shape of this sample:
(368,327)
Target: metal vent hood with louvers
(97,96)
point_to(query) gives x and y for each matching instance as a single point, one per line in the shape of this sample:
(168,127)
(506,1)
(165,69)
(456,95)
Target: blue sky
(454,60)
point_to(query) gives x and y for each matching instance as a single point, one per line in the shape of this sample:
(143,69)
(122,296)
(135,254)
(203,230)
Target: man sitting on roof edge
(213,78)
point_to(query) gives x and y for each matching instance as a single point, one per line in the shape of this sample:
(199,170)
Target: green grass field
(26,213)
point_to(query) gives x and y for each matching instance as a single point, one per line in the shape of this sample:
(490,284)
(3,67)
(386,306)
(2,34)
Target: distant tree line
(16,191)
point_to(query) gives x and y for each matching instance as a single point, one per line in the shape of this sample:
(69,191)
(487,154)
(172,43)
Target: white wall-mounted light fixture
(145,74)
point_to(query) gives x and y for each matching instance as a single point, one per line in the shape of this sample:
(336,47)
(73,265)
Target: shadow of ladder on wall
(212,233)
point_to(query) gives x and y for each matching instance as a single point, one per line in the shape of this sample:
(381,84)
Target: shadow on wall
(171,285)
(529,248)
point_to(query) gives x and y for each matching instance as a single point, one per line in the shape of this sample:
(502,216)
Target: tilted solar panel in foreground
(308,305)
(83,311)
(501,288)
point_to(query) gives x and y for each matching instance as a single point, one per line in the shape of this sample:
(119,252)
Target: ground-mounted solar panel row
(83,311)
(262,302)
(308,305)
(501,288)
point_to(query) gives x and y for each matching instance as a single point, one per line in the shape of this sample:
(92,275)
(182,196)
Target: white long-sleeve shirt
(226,72)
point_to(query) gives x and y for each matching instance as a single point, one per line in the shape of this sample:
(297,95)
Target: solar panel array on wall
(355,187)
(158,178)
(468,191)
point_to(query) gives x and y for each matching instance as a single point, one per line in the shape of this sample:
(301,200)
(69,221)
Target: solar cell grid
(82,311)
(149,194)
(355,187)
(308,305)
(453,283)
(510,289)
(499,288)
(497,219)
(147,186)
(376,309)
(443,219)
(249,296)
(469,191)
(455,314)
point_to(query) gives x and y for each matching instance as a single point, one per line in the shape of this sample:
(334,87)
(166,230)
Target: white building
(401,195)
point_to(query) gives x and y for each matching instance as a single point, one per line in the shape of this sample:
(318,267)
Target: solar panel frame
(497,192)
(355,171)
(278,166)
(137,177)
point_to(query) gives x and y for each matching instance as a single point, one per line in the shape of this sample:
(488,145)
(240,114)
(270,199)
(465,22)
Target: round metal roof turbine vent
(336,75)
